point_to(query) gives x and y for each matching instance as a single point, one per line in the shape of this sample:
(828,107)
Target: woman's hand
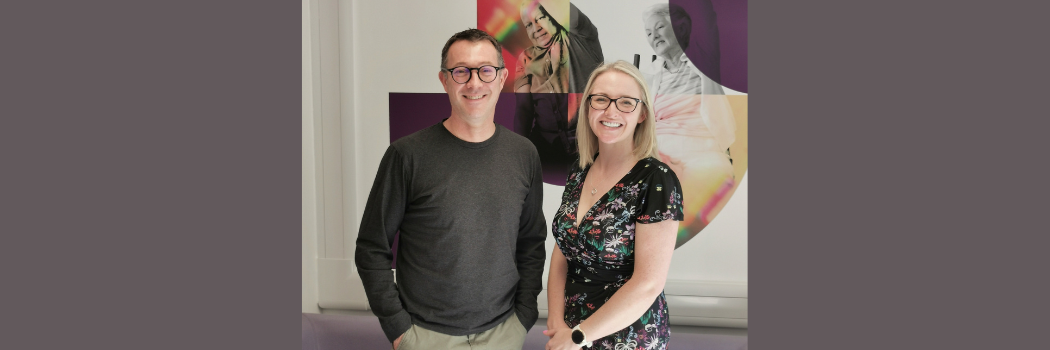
(554,326)
(561,339)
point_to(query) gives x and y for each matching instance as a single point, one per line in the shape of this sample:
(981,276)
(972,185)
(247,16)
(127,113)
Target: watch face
(577,336)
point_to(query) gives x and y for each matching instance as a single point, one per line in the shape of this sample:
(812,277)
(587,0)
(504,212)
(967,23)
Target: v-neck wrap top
(600,251)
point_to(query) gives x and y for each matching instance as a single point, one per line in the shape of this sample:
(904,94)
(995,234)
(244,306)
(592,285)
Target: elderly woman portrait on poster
(561,58)
(558,61)
(616,225)
(694,122)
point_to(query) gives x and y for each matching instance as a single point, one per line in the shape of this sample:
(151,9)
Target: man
(466,196)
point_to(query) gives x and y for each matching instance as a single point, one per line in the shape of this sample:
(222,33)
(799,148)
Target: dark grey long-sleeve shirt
(470,252)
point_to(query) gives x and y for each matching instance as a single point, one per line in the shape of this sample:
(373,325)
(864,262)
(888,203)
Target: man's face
(661,36)
(476,99)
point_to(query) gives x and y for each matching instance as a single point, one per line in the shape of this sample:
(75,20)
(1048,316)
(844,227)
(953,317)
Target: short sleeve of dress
(662,197)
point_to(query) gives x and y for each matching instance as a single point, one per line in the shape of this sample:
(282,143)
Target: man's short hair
(472,35)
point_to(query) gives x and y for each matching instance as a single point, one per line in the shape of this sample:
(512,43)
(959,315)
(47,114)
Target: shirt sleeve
(584,30)
(383,214)
(661,198)
(530,252)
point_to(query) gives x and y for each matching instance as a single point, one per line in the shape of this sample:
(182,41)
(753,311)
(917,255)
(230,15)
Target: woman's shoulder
(574,167)
(574,173)
(653,164)
(654,169)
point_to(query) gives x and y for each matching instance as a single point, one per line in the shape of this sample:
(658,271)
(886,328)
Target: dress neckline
(580,189)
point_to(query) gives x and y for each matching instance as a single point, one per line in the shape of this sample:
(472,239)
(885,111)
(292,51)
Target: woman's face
(539,27)
(611,125)
(661,37)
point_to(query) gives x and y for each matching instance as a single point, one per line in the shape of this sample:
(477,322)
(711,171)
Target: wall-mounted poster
(692,53)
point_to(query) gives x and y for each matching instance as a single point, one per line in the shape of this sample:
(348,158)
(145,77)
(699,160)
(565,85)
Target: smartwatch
(579,337)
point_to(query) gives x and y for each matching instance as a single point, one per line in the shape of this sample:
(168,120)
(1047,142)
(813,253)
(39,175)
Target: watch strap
(585,342)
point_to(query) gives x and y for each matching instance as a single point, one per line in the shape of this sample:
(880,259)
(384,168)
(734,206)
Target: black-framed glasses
(462,75)
(624,104)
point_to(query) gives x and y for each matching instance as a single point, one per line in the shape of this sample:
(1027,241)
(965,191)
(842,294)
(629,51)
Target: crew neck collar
(465,143)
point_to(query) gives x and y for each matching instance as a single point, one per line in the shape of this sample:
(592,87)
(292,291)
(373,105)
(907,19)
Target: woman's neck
(674,61)
(612,158)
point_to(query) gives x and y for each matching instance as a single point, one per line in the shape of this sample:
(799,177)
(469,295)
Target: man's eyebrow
(464,64)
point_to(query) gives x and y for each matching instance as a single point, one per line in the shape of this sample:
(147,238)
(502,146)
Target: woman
(675,73)
(616,225)
(693,120)
(543,113)
(560,60)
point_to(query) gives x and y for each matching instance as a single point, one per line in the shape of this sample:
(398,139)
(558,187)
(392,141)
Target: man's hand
(397,342)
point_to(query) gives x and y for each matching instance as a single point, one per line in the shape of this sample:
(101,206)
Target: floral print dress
(600,251)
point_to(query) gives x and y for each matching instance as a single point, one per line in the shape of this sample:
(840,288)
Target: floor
(346,329)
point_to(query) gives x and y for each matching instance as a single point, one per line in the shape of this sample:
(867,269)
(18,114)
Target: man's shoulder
(419,140)
(516,141)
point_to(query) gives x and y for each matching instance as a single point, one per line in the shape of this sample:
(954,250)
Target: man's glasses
(462,74)
(624,104)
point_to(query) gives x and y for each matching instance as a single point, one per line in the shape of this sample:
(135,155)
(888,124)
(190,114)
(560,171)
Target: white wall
(394,46)
(310,185)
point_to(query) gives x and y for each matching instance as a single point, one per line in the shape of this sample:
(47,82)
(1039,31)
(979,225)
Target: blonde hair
(644,134)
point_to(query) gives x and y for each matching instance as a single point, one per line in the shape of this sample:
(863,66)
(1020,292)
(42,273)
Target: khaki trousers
(507,335)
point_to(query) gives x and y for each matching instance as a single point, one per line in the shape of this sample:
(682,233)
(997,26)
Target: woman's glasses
(624,104)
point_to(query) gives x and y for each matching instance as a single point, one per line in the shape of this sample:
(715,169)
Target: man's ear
(441,78)
(503,76)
